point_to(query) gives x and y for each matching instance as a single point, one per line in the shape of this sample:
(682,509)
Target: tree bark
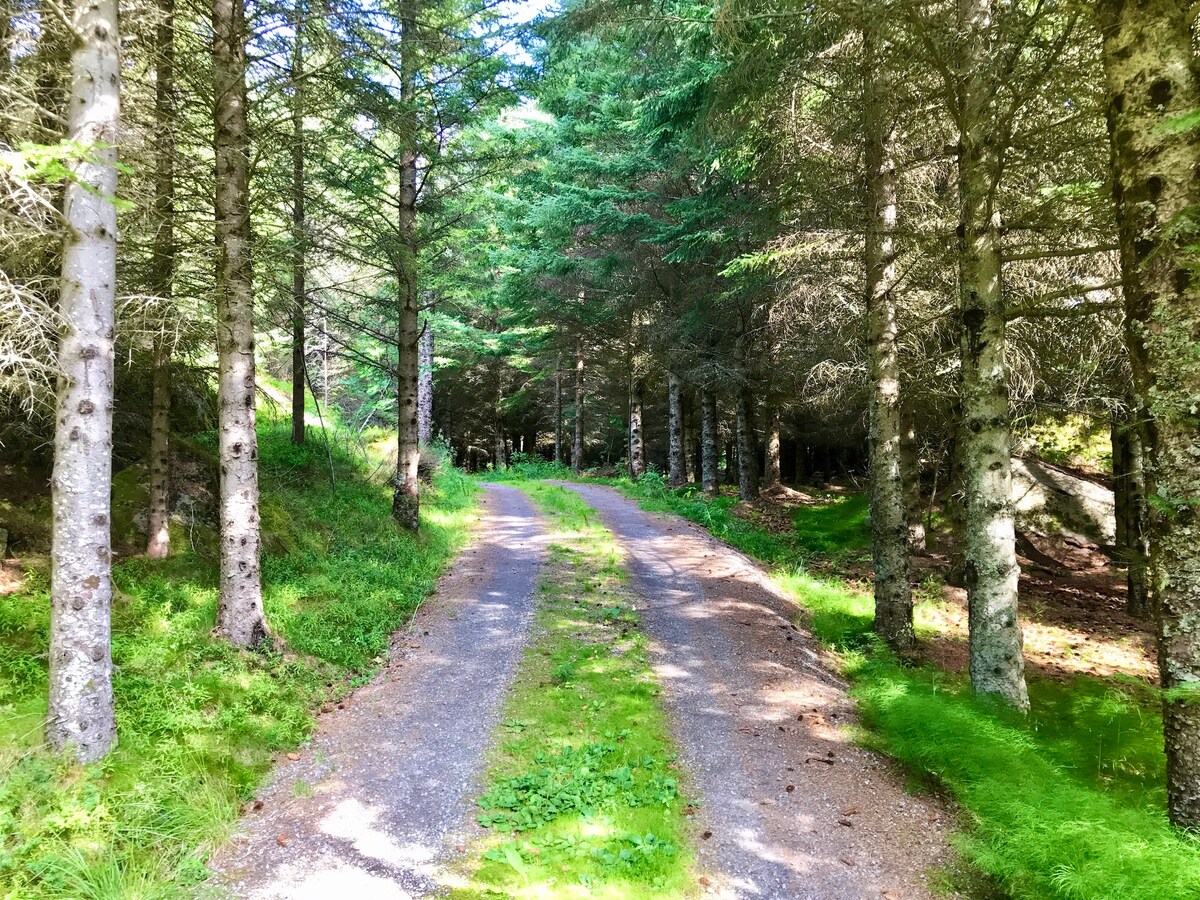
(910,463)
(558,411)
(81,698)
(889,521)
(299,235)
(158,544)
(676,463)
(425,386)
(637,446)
(746,453)
(406,501)
(772,475)
(240,611)
(577,445)
(1153,80)
(709,443)
(996,655)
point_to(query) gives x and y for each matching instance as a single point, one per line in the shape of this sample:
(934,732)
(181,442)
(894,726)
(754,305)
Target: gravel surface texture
(790,808)
(384,794)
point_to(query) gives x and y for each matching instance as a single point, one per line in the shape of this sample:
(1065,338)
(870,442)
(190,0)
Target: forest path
(383,795)
(791,808)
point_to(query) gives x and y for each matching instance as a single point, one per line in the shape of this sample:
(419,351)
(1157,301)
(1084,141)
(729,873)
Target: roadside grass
(582,798)
(200,723)
(1068,804)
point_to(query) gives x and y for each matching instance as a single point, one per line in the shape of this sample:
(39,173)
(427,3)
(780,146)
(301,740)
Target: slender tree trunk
(676,464)
(558,411)
(425,386)
(889,520)
(299,235)
(731,457)
(577,446)
(1129,492)
(637,447)
(709,443)
(158,545)
(997,660)
(500,445)
(406,501)
(1153,80)
(81,697)
(910,463)
(746,455)
(772,476)
(240,611)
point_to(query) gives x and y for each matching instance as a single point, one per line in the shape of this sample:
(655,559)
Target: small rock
(283,839)
(790,788)
(293,756)
(704,880)
(846,823)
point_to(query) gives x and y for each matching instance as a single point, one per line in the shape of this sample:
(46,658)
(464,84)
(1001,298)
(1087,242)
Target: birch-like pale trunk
(676,464)
(1153,80)
(747,456)
(80,713)
(158,543)
(406,501)
(997,660)
(577,444)
(889,521)
(240,610)
(637,446)
(299,233)
(709,444)
(425,386)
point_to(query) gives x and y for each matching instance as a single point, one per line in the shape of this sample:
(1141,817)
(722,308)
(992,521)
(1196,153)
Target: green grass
(200,723)
(581,795)
(1068,804)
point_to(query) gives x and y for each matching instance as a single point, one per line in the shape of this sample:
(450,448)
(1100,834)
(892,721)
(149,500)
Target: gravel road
(790,807)
(385,792)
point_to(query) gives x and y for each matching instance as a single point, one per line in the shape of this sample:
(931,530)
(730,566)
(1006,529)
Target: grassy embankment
(200,723)
(1069,804)
(581,792)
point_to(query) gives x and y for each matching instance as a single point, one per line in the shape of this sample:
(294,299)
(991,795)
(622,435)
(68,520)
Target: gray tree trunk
(709,443)
(889,520)
(1152,80)
(558,411)
(577,445)
(676,463)
(746,451)
(425,386)
(81,697)
(158,544)
(240,611)
(406,501)
(299,234)
(991,571)
(772,474)
(910,462)
(637,446)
